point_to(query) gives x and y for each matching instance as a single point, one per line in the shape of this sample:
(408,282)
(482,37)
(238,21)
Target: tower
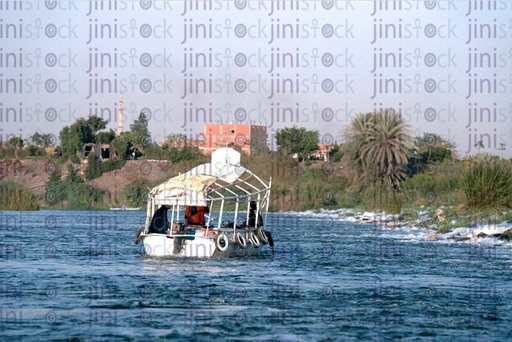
(120,114)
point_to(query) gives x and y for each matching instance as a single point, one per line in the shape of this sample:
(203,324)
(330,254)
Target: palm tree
(379,146)
(16,143)
(387,146)
(355,136)
(501,148)
(479,144)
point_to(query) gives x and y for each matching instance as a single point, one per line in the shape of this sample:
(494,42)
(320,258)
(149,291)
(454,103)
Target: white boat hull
(124,209)
(199,247)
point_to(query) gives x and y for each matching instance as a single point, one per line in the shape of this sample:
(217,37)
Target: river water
(77,276)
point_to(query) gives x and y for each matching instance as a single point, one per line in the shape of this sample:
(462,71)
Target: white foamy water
(405,231)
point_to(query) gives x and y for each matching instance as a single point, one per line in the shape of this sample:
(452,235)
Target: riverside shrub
(488,184)
(14,196)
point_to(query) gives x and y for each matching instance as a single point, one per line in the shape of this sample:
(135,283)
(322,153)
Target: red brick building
(249,138)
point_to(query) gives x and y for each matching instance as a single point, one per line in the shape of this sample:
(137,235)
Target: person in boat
(195,215)
(252,216)
(159,223)
(252,223)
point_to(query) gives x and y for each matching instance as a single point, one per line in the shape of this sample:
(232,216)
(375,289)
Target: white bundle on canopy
(184,190)
(225,165)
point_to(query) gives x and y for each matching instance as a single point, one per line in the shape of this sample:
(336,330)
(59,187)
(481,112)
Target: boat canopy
(222,179)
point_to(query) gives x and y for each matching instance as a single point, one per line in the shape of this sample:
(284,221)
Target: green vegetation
(487,182)
(42,139)
(16,143)
(137,195)
(432,148)
(175,155)
(17,197)
(378,145)
(111,165)
(81,132)
(140,127)
(379,166)
(93,169)
(293,140)
(72,193)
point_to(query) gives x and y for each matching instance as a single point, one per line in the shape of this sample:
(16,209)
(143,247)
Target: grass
(298,187)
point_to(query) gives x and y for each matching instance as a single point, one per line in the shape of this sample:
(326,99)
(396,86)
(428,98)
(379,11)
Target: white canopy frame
(230,183)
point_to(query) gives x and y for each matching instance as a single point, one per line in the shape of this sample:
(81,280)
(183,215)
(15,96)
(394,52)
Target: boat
(191,198)
(125,208)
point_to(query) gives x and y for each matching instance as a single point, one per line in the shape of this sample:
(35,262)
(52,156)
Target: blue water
(77,274)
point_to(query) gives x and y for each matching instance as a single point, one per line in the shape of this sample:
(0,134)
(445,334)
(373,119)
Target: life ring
(221,242)
(262,236)
(253,239)
(240,240)
(138,237)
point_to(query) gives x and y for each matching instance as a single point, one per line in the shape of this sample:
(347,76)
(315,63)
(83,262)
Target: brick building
(249,138)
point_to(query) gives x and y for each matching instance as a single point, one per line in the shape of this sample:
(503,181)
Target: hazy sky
(248,61)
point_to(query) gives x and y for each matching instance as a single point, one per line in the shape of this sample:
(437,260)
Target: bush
(77,195)
(488,184)
(186,153)
(54,177)
(41,152)
(14,196)
(31,150)
(74,159)
(73,190)
(93,169)
(72,176)
(383,198)
(112,164)
(130,195)
(424,189)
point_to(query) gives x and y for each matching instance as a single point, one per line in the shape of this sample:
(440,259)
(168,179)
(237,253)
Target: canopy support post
(220,214)
(268,198)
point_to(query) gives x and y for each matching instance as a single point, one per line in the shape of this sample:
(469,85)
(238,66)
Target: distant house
(322,153)
(102,151)
(250,138)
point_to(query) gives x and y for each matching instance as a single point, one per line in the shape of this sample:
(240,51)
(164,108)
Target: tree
(134,141)
(479,144)
(140,127)
(379,147)
(93,169)
(72,176)
(292,140)
(70,143)
(96,124)
(501,148)
(176,140)
(336,153)
(355,136)
(119,147)
(16,143)
(105,137)
(433,148)
(44,140)
(81,132)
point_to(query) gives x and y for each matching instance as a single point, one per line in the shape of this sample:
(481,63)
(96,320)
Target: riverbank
(295,186)
(445,224)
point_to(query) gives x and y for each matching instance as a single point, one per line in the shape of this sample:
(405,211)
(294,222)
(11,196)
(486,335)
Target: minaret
(120,114)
